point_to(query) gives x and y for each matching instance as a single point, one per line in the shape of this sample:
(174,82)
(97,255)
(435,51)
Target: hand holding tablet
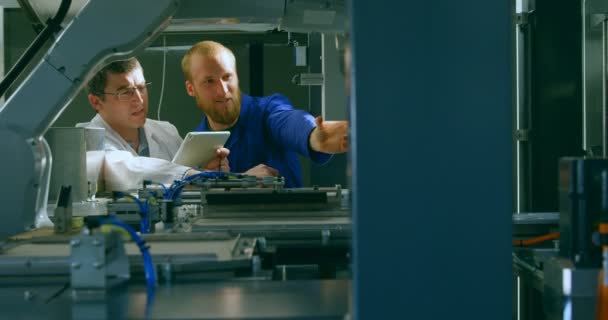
(198,148)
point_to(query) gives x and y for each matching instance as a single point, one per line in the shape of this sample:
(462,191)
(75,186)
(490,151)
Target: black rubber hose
(53,25)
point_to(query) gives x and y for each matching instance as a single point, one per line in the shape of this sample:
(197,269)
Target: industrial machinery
(218,239)
(560,278)
(561,281)
(216,226)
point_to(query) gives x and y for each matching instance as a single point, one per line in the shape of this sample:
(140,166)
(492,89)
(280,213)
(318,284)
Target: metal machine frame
(53,83)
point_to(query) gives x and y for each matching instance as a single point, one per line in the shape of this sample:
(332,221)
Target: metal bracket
(522,135)
(244,247)
(598,18)
(523,19)
(95,258)
(308,79)
(325,237)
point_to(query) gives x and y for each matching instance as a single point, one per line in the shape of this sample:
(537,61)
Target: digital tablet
(198,148)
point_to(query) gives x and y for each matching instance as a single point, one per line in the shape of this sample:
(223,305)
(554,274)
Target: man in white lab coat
(136,148)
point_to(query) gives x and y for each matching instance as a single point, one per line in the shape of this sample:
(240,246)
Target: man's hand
(220,162)
(329,136)
(262,170)
(191,172)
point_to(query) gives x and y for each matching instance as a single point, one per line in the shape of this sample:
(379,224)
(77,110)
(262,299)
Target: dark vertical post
(256,69)
(432,159)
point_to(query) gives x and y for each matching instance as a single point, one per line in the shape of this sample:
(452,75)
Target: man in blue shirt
(136,148)
(266,133)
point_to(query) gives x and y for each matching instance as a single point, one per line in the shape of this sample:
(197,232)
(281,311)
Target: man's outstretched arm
(329,136)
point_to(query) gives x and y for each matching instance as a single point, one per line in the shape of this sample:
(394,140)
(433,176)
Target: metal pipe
(523,102)
(604,89)
(518,111)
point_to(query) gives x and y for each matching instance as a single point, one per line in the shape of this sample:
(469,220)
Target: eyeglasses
(126,94)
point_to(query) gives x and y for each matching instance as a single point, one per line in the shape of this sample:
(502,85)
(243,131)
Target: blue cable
(147,258)
(127,195)
(159,184)
(178,185)
(144,208)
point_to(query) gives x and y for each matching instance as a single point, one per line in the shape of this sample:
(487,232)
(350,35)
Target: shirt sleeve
(122,171)
(291,128)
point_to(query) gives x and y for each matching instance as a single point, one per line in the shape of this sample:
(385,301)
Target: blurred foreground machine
(560,279)
(226,247)
(562,282)
(306,226)
(218,232)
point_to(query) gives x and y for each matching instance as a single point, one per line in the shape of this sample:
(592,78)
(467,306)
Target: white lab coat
(123,169)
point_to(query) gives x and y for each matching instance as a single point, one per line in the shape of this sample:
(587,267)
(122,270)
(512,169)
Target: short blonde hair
(204,49)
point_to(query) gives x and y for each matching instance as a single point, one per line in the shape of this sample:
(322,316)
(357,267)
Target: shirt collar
(143,143)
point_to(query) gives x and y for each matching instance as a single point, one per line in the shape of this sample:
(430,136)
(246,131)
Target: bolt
(325,234)
(262,243)
(28,295)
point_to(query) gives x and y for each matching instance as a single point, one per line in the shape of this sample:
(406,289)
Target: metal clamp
(522,135)
(523,19)
(308,79)
(96,257)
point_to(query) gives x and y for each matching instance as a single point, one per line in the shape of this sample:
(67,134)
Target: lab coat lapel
(112,136)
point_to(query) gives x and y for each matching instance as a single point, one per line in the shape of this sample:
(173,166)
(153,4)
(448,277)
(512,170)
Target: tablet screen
(198,148)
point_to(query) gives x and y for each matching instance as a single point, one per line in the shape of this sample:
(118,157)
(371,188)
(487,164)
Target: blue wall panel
(432,159)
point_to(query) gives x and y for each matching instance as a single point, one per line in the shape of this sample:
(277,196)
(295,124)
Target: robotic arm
(103,30)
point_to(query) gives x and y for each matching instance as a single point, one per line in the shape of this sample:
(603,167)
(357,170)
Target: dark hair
(97,84)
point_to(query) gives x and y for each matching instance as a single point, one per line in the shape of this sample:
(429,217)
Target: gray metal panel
(182,252)
(26,113)
(9,4)
(327,299)
(314,15)
(333,93)
(78,63)
(255,300)
(69,167)
(595,6)
(245,15)
(19,197)
(268,226)
(522,104)
(42,11)
(234,9)
(536,218)
(592,74)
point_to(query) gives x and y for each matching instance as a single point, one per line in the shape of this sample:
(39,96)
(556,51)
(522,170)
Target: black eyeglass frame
(127,94)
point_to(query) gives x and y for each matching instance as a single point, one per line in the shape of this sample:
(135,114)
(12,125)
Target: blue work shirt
(270,131)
